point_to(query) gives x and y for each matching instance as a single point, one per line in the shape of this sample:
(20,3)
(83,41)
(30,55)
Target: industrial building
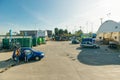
(109,31)
(37,33)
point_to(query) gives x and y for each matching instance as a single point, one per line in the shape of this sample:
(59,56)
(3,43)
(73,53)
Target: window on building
(115,37)
(100,37)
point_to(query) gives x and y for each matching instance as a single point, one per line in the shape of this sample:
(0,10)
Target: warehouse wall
(116,37)
(113,36)
(99,36)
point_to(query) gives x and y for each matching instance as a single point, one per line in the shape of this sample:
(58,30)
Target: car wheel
(37,58)
(98,47)
(94,46)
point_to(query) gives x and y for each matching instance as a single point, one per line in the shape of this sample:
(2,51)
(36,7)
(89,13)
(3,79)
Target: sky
(48,14)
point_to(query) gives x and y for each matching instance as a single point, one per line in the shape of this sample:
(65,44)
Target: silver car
(89,42)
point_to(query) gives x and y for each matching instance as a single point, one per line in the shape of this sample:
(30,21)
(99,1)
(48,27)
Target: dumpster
(24,42)
(38,41)
(34,41)
(27,42)
(6,43)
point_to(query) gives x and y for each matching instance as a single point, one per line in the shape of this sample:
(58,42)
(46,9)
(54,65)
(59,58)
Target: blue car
(30,53)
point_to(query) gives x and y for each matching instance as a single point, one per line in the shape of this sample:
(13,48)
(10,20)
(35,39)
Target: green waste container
(24,42)
(34,41)
(38,41)
(20,41)
(27,42)
(6,44)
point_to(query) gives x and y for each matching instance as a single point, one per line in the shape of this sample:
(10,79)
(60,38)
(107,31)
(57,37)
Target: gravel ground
(64,61)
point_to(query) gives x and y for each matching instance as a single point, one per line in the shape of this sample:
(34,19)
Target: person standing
(17,52)
(27,55)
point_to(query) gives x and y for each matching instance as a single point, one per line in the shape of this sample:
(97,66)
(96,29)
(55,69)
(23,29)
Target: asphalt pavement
(64,61)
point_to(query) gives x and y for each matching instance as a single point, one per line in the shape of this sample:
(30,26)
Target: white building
(41,33)
(110,31)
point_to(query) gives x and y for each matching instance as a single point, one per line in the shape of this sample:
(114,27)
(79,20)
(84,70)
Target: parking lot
(64,61)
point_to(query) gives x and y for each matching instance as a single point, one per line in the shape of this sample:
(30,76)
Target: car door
(28,53)
(87,44)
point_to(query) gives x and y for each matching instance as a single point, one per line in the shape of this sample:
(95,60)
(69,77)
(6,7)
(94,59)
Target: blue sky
(48,14)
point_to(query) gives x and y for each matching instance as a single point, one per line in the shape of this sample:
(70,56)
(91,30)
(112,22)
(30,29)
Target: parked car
(113,44)
(75,41)
(89,42)
(32,54)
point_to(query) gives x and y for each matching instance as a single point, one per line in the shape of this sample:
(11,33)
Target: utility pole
(87,26)
(80,27)
(101,19)
(92,27)
(74,29)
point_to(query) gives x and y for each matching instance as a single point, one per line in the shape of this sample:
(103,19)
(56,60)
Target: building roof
(109,26)
(28,30)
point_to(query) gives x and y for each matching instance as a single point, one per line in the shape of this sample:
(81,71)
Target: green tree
(65,31)
(56,30)
(69,33)
(61,32)
(78,33)
(90,34)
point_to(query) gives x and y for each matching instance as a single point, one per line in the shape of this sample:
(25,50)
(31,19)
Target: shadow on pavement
(98,57)
(9,63)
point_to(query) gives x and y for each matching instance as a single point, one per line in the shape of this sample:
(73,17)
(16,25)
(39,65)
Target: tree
(90,34)
(56,31)
(78,33)
(61,32)
(65,31)
(69,33)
